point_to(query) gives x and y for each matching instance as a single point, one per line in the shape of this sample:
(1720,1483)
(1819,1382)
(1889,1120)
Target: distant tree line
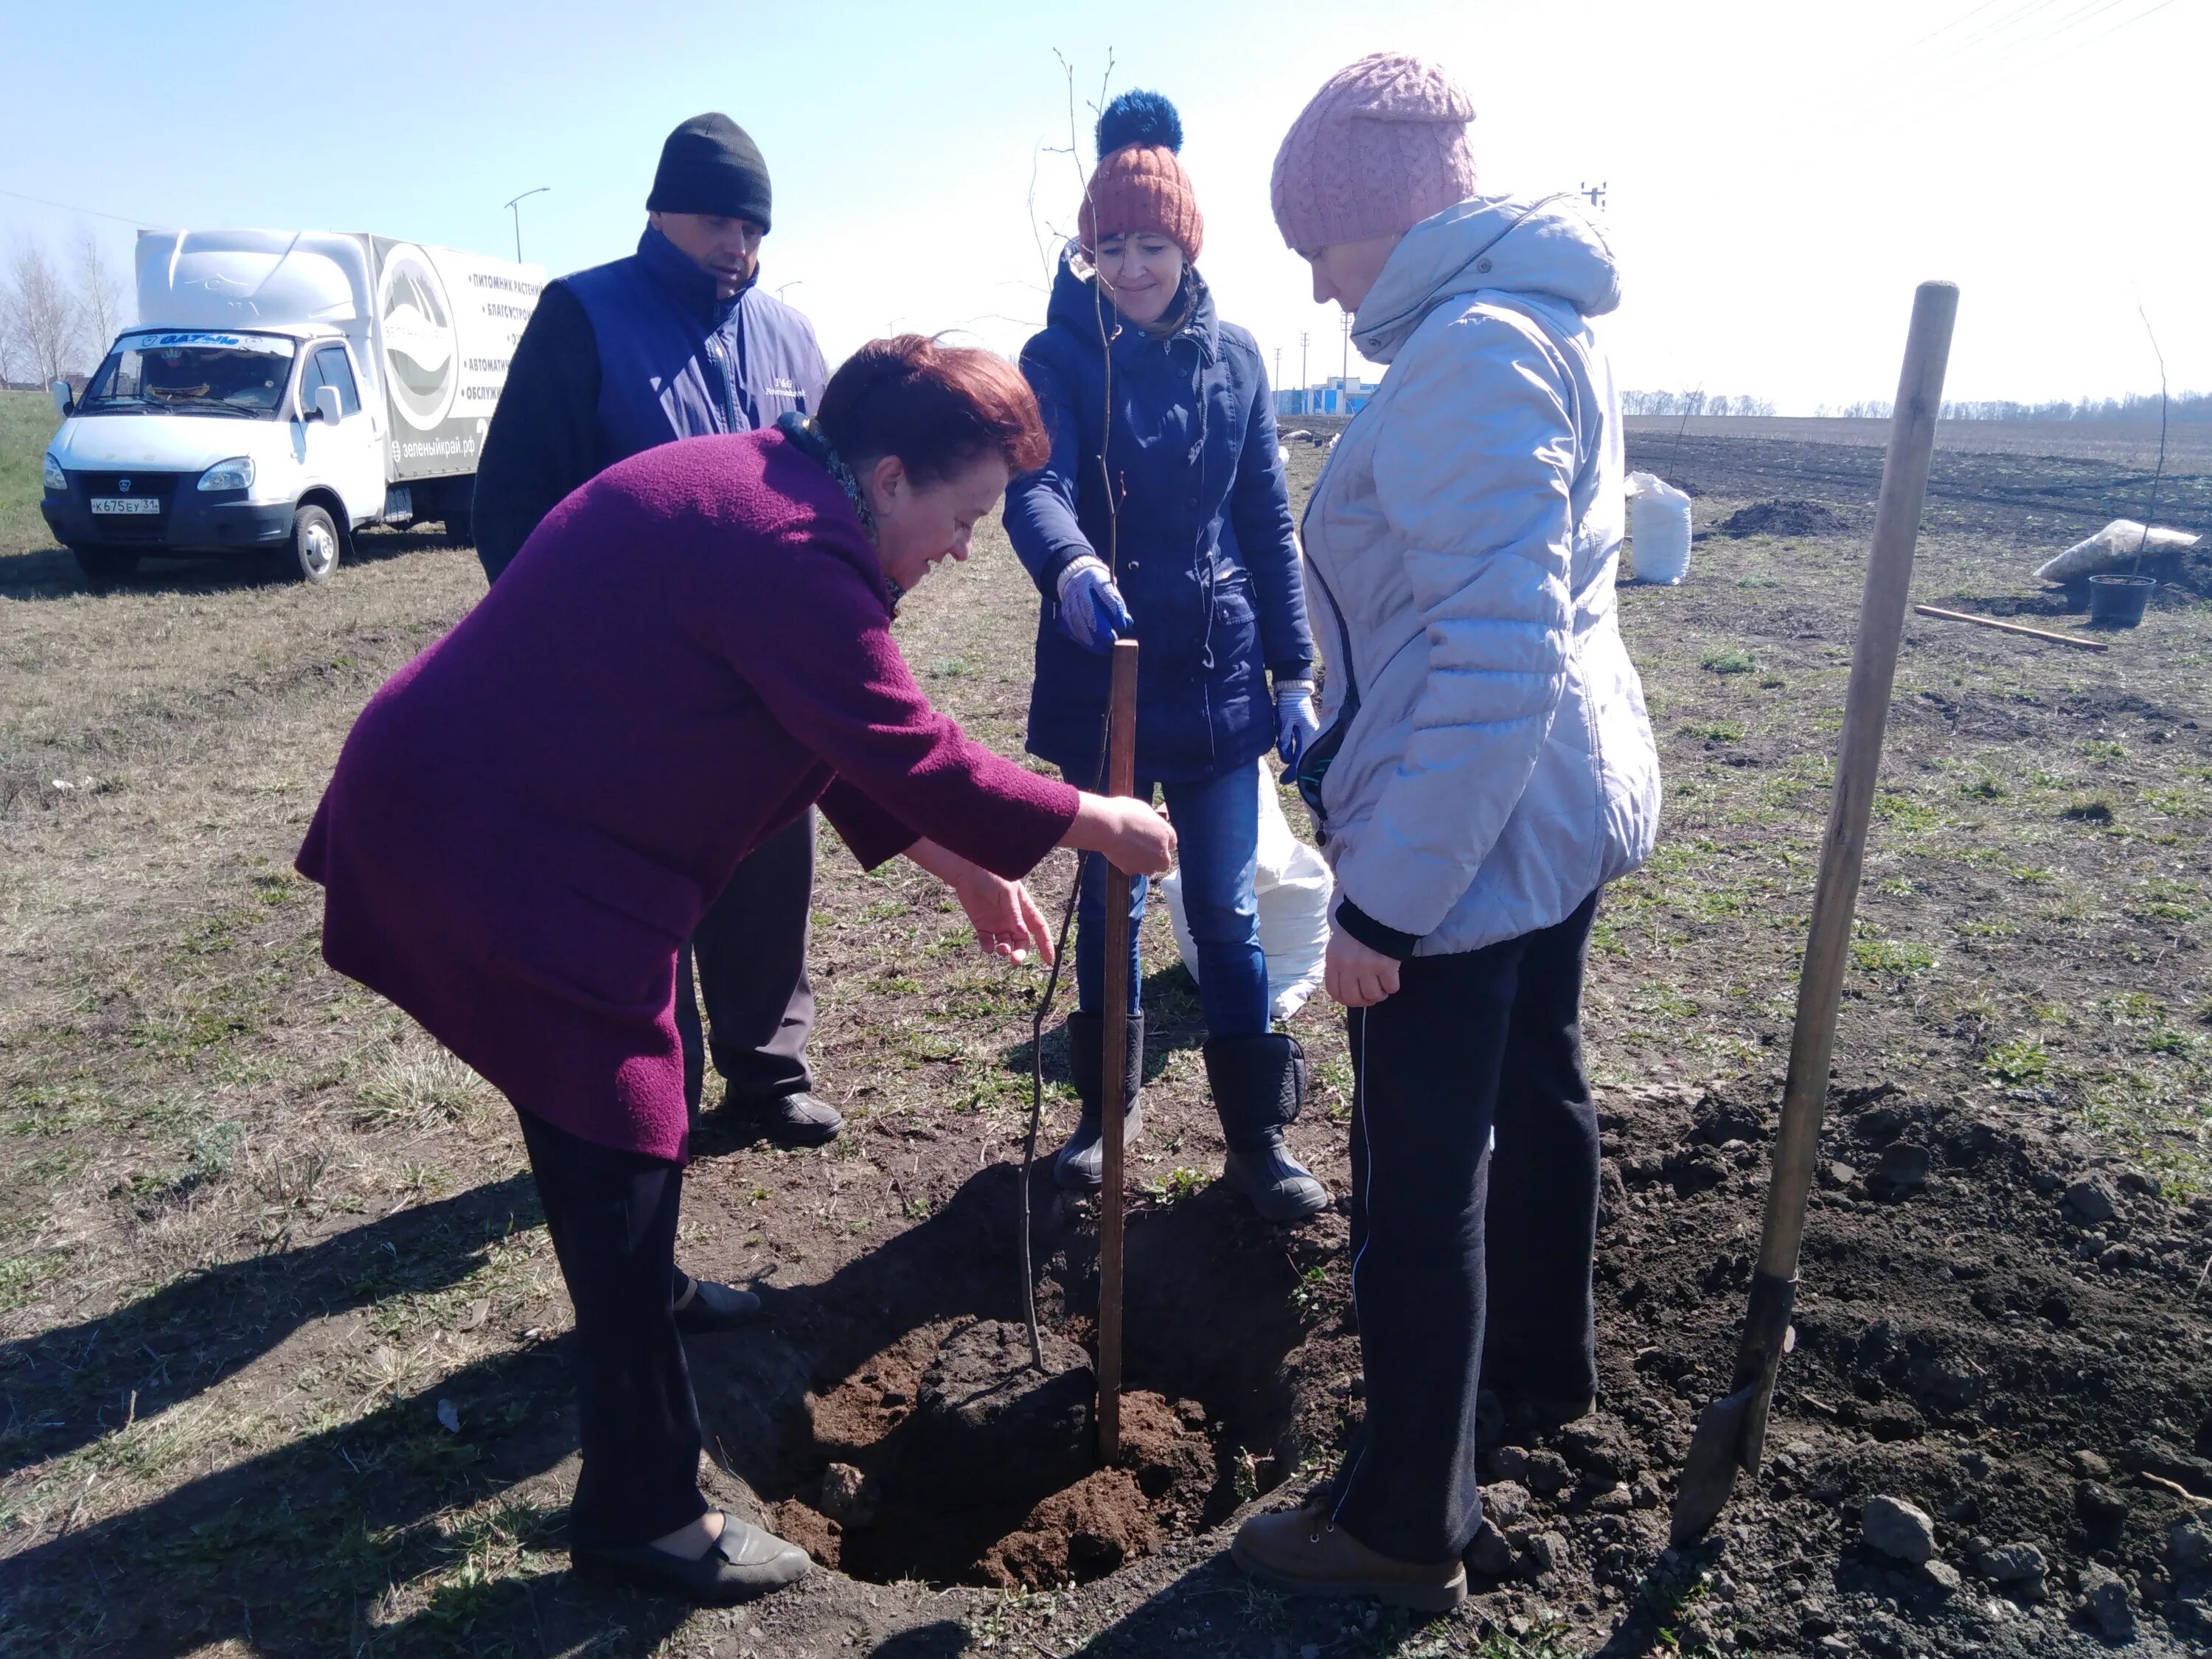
(1692,403)
(57,312)
(2136,406)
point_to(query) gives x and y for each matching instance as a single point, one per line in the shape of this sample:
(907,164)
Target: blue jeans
(1217,823)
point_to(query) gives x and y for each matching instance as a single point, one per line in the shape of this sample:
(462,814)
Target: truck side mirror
(63,403)
(326,404)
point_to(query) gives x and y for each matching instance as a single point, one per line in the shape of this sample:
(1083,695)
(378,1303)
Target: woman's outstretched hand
(1007,919)
(1132,835)
(1356,974)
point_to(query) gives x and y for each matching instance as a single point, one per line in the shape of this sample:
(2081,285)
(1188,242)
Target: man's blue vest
(677,361)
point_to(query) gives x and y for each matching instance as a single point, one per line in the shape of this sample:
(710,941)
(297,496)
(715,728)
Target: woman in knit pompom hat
(1192,553)
(1462,544)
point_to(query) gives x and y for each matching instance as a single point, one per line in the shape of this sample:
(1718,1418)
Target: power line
(2012,51)
(2129,22)
(2003,71)
(1945,29)
(1957,49)
(68,207)
(1908,64)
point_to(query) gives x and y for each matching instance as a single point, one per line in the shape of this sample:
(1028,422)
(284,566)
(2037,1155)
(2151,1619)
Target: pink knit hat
(1381,147)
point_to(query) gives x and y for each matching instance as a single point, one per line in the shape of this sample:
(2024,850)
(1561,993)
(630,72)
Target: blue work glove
(1091,607)
(1295,723)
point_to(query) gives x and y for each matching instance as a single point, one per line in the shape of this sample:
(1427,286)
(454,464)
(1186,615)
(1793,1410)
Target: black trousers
(612,1216)
(750,952)
(1481,1039)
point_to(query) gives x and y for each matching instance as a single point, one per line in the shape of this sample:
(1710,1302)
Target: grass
(2020,1061)
(27,422)
(1890,958)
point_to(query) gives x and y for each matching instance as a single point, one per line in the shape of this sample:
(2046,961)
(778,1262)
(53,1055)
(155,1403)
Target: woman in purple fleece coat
(528,820)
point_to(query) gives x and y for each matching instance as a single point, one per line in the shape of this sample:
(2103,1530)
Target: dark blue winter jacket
(677,361)
(623,357)
(1203,551)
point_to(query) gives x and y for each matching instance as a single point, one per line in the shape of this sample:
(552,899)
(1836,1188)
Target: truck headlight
(56,479)
(236,473)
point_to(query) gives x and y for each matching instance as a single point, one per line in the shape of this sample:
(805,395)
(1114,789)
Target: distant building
(1335,396)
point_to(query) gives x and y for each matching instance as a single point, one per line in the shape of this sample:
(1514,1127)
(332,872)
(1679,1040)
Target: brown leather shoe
(1304,1553)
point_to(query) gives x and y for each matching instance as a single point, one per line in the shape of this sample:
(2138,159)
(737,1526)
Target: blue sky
(1779,174)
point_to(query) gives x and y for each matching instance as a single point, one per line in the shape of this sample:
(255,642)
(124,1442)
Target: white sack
(1294,886)
(2115,545)
(1658,529)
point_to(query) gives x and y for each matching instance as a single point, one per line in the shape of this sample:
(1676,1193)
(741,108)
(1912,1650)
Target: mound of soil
(897,1430)
(1994,1328)
(1786,518)
(992,1472)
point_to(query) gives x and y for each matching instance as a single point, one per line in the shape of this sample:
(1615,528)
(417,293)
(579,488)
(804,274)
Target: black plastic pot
(2118,601)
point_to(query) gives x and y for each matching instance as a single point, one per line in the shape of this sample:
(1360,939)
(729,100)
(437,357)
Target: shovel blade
(1716,1452)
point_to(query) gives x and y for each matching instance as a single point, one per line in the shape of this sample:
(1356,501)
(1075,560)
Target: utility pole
(1305,395)
(1344,378)
(1595,192)
(515,207)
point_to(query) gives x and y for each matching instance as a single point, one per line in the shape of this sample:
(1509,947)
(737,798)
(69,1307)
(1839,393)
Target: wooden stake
(2074,640)
(1113,1046)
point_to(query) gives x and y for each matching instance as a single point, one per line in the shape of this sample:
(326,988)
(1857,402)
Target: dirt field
(2130,444)
(281,1355)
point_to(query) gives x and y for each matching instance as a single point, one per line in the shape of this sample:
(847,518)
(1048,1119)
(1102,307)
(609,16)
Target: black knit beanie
(709,165)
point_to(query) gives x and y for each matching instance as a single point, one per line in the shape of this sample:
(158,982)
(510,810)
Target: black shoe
(1537,1413)
(795,1119)
(1081,1164)
(746,1561)
(702,1306)
(1259,1084)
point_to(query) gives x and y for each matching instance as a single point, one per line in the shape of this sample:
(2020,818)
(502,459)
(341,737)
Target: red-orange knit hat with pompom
(1138,185)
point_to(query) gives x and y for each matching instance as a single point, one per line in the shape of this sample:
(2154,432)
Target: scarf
(815,444)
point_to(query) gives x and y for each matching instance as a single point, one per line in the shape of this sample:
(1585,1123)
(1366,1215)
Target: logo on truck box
(421,353)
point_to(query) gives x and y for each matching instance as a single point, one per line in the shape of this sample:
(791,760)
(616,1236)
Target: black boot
(1079,1165)
(1259,1083)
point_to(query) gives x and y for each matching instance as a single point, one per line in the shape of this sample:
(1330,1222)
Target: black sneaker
(745,1562)
(702,1306)
(1540,1413)
(798,1120)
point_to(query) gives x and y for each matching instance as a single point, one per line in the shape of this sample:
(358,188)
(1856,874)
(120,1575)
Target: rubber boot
(1079,1165)
(1259,1084)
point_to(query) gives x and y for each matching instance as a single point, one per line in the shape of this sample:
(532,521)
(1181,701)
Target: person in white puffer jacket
(1486,766)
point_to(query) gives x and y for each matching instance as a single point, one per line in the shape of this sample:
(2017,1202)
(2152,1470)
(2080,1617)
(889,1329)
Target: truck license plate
(126,504)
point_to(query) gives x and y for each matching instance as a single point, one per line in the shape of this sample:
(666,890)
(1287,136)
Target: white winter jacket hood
(1488,762)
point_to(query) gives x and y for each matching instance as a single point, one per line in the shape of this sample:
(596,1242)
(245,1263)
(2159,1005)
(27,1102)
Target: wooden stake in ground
(1731,1431)
(1114,1053)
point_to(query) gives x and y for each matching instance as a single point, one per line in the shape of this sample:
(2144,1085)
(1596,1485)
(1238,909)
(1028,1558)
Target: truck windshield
(192,372)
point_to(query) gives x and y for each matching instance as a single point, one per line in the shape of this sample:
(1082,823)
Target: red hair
(938,408)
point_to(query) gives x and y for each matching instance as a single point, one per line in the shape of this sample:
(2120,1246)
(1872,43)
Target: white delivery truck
(282,390)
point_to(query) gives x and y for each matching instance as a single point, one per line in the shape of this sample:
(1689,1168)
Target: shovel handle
(1866,712)
(1113,1046)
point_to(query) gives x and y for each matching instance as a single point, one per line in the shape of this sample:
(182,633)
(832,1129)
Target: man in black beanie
(679,341)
